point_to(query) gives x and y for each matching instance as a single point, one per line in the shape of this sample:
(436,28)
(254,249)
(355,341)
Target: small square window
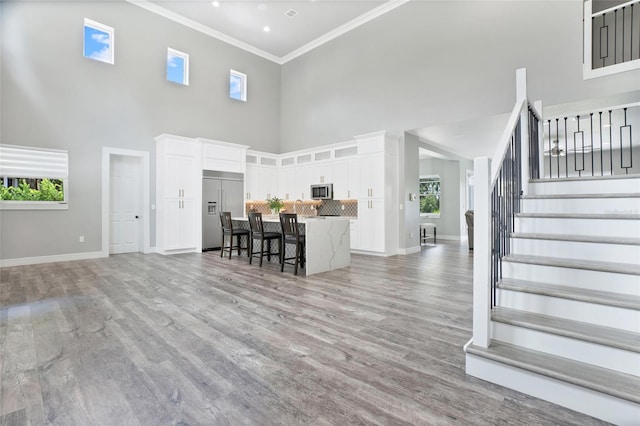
(177,66)
(98,41)
(238,86)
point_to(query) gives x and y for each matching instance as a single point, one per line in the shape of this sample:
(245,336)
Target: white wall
(436,62)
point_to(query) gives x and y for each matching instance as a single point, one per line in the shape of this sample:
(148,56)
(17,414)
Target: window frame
(37,205)
(429,215)
(185,67)
(104,28)
(243,85)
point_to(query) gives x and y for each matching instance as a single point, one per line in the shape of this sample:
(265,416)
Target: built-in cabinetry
(178,183)
(261,179)
(179,165)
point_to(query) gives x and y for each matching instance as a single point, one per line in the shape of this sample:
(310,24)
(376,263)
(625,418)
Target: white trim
(185,67)
(611,9)
(204,29)
(409,250)
(107,152)
(243,89)
(610,69)
(112,39)
(33,205)
(345,28)
(354,23)
(6,263)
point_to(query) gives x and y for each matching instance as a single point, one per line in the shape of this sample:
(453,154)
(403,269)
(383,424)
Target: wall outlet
(342,207)
(81,238)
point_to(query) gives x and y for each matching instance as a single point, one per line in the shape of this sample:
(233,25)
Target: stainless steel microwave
(322,192)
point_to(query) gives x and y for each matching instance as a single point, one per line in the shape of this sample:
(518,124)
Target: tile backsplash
(309,207)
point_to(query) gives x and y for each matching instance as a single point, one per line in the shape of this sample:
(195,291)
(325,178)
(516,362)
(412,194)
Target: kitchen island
(328,240)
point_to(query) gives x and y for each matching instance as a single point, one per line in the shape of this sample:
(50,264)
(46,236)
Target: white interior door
(125,204)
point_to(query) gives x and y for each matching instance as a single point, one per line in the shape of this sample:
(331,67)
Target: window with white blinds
(33,177)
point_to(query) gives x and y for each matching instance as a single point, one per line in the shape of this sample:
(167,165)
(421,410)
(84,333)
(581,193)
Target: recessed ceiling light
(266,29)
(215,3)
(291,13)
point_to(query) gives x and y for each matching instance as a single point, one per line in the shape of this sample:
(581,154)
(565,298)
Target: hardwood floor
(196,339)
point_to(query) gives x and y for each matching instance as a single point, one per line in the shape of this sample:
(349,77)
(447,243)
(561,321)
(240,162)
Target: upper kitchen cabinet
(322,169)
(346,173)
(178,189)
(261,178)
(222,156)
(287,178)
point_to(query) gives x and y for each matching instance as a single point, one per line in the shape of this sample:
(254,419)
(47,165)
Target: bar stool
(227,230)
(258,233)
(291,235)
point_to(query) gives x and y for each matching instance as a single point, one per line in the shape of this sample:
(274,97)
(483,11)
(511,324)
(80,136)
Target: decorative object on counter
(275,204)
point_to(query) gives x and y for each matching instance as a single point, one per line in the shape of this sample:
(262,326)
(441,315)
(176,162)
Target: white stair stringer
(598,392)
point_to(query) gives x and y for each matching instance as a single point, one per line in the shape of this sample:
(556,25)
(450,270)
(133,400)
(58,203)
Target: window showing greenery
(33,178)
(31,189)
(430,195)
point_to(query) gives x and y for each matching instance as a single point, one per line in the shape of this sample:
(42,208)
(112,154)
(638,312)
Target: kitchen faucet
(295,210)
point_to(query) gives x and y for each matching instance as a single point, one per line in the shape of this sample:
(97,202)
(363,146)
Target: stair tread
(580,216)
(593,333)
(610,382)
(580,196)
(621,268)
(628,301)
(578,238)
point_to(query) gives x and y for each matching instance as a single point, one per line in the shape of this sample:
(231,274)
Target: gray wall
(53,97)
(449,171)
(409,163)
(430,62)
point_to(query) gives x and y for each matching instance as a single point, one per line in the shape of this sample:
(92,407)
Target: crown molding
(152,7)
(354,23)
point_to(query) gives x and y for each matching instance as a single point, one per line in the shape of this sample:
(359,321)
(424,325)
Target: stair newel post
(482,252)
(521,93)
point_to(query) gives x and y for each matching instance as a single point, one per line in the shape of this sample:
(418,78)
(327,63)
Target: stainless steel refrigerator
(221,192)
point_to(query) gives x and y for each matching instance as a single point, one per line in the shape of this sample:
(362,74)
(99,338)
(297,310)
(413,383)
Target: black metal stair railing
(615,35)
(597,143)
(505,204)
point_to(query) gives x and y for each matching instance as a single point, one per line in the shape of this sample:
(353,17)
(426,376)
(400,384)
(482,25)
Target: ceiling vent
(291,13)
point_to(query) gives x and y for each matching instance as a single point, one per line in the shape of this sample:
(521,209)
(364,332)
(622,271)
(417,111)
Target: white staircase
(566,325)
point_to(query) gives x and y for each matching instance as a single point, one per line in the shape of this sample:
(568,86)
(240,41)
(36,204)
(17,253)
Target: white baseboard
(447,237)
(5,263)
(151,250)
(410,250)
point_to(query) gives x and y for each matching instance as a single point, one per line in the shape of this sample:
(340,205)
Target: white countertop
(301,219)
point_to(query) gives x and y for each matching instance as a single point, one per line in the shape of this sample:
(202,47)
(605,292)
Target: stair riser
(583,205)
(607,316)
(581,278)
(586,186)
(591,353)
(598,227)
(621,253)
(611,409)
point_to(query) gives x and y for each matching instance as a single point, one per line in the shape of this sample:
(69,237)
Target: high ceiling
(245,23)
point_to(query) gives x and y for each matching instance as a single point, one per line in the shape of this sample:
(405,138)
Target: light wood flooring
(196,339)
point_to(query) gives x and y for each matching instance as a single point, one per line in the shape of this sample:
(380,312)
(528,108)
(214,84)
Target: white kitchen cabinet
(322,173)
(346,179)
(287,183)
(371,225)
(372,175)
(261,182)
(179,187)
(353,228)
(302,182)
